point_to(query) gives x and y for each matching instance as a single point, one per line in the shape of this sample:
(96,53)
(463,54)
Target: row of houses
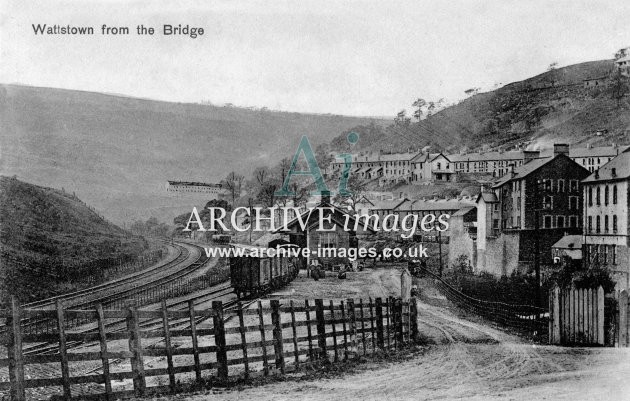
(426,167)
(545,210)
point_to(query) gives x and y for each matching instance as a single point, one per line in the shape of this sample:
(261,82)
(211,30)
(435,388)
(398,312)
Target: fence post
(379,324)
(261,327)
(554,316)
(600,315)
(352,317)
(135,346)
(321,327)
(413,320)
(167,345)
(14,352)
(399,322)
(623,318)
(308,330)
(194,340)
(104,358)
(63,354)
(219,340)
(296,350)
(278,346)
(241,327)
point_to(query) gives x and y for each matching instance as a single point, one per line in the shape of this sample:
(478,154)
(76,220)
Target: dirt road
(468,360)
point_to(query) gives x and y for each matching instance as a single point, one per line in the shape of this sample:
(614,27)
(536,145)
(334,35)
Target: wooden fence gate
(623,321)
(576,316)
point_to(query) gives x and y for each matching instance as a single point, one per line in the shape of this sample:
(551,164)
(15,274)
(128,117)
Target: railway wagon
(254,275)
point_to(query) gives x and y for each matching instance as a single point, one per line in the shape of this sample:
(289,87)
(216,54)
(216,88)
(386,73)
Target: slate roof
(523,171)
(570,242)
(621,164)
(488,197)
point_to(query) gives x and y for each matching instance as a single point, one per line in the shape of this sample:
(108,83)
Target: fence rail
(528,319)
(217,344)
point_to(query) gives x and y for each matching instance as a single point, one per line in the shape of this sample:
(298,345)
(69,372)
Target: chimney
(325,197)
(529,155)
(560,149)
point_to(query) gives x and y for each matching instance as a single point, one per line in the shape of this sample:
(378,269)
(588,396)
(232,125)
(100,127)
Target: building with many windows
(606,232)
(532,207)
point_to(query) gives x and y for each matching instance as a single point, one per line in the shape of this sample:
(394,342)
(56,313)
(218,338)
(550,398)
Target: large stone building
(606,224)
(531,207)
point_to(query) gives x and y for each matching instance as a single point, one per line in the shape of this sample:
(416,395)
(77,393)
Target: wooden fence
(576,316)
(165,347)
(622,320)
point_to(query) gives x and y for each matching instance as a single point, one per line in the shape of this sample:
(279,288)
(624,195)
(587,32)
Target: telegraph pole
(249,201)
(537,242)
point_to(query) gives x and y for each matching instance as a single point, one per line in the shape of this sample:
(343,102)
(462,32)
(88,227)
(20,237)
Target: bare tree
(419,104)
(234,183)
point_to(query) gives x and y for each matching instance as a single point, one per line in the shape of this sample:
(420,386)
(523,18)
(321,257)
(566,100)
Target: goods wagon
(254,275)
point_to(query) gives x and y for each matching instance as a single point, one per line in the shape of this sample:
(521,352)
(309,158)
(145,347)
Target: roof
(364,170)
(621,166)
(463,211)
(599,151)
(487,156)
(523,171)
(488,197)
(430,205)
(570,242)
(438,155)
(196,184)
(388,204)
(621,60)
(596,78)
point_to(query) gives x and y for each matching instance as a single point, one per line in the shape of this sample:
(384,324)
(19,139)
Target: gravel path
(468,360)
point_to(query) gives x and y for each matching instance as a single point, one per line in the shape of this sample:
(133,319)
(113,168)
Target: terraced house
(532,208)
(606,224)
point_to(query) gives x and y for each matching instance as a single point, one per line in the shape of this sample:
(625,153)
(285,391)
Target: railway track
(147,324)
(188,258)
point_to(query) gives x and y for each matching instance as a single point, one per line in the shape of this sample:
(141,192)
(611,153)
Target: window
(613,254)
(573,185)
(606,223)
(560,221)
(614,223)
(573,221)
(547,222)
(327,240)
(573,203)
(518,221)
(560,185)
(614,200)
(548,184)
(598,224)
(590,224)
(606,195)
(518,203)
(598,200)
(590,196)
(547,202)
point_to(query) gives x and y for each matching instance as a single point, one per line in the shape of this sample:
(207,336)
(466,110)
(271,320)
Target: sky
(365,58)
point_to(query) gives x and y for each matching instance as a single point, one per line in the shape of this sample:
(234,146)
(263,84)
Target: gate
(576,316)
(623,321)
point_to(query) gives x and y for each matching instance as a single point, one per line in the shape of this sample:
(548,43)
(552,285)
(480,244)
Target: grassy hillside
(550,107)
(118,152)
(49,237)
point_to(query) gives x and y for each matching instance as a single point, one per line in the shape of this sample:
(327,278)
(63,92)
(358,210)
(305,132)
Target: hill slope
(118,152)
(48,237)
(550,107)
